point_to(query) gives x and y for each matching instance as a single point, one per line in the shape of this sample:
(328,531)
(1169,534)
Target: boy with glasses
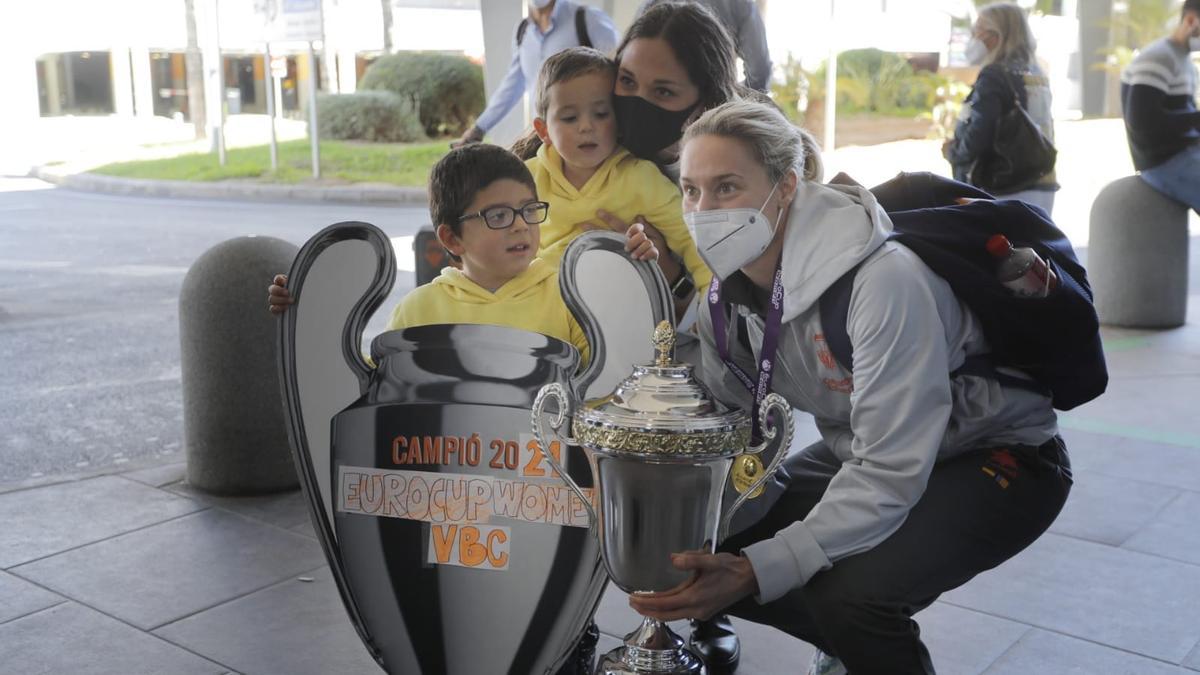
(484,202)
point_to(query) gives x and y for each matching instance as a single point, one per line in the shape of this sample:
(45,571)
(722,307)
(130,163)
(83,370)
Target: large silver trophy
(660,449)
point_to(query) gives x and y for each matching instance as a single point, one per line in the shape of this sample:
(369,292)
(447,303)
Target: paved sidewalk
(136,572)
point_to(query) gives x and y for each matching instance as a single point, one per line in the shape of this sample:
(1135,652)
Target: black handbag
(1020,154)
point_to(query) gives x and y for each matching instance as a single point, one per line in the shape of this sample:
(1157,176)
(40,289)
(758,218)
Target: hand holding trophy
(660,449)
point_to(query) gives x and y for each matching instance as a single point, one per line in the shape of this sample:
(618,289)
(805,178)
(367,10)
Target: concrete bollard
(235,431)
(1137,256)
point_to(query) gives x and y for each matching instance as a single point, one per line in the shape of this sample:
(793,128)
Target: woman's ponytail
(814,166)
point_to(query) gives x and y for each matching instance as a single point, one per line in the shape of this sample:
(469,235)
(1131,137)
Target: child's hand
(638,245)
(643,232)
(278,297)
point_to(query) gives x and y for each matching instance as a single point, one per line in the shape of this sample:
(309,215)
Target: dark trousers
(979,509)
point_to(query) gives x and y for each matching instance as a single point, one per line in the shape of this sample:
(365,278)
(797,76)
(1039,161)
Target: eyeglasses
(501,217)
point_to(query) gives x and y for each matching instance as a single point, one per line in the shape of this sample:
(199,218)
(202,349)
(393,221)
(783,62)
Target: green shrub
(446,89)
(874,81)
(877,77)
(920,91)
(379,116)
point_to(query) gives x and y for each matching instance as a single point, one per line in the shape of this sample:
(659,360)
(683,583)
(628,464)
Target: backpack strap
(581,31)
(834,309)
(521,28)
(982,365)
(1017,94)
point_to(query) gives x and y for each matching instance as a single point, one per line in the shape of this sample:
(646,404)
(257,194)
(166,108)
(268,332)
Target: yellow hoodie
(529,301)
(626,187)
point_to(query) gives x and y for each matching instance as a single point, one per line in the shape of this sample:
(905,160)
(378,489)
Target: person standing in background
(552,26)
(1004,45)
(742,20)
(1158,100)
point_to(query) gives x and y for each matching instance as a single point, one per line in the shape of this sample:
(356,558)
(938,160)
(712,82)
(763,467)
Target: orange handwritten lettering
(470,551)
(494,538)
(443,542)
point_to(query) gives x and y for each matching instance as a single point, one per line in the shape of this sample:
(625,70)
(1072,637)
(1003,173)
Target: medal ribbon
(760,386)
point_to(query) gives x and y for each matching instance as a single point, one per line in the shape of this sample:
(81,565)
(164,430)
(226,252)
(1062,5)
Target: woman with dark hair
(675,62)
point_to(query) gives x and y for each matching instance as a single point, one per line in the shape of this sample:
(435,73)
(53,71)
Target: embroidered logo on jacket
(823,352)
(843,385)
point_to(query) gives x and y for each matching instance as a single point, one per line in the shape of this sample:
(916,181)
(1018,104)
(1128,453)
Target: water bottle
(1021,270)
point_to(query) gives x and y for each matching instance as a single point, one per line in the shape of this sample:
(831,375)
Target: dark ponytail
(526,147)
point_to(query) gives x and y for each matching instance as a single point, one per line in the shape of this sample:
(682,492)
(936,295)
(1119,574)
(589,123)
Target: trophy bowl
(660,448)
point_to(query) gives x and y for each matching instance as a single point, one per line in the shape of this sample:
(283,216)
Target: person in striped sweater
(1158,97)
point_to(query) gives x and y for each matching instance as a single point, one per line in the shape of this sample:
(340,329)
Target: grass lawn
(341,162)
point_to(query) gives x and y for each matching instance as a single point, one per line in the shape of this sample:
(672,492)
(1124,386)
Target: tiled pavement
(137,573)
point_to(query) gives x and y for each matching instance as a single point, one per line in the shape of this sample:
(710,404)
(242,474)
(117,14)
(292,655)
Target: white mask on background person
(728,239)
(1194,43)
(976,51)
(539,4)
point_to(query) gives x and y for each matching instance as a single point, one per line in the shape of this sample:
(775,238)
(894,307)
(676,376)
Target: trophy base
(652,648)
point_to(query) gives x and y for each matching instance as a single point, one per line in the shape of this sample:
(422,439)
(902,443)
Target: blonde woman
(924,477)
(1003,44)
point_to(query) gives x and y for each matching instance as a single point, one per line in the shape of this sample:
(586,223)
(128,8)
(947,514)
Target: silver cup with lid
(660,449)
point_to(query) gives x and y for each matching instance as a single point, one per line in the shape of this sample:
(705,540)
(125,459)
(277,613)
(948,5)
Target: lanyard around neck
(760,386)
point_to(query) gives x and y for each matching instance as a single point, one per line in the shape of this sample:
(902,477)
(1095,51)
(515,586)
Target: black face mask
(646,128)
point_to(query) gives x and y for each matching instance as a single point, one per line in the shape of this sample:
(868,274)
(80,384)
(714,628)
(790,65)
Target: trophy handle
(309,370)
(771,402)
(559,393)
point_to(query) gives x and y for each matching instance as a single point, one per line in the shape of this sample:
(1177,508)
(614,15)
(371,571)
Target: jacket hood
(462,289)
(831,228)
(552,165)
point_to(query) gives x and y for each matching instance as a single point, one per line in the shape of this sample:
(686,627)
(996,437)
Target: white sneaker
(824,664)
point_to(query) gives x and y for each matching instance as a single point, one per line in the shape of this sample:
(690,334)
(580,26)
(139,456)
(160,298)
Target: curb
(142,187)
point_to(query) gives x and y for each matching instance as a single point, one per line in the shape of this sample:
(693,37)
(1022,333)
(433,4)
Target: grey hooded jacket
(898,413)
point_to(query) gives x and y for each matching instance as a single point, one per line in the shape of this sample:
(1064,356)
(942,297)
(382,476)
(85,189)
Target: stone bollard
(235,431)
(1137,256)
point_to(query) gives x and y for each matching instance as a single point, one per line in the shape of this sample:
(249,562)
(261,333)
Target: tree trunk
(387,25)
(194,64)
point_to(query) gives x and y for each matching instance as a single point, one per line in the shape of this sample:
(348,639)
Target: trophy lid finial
(664,342)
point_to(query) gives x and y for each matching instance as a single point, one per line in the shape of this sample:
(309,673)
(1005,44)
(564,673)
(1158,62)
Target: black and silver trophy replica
(455,546)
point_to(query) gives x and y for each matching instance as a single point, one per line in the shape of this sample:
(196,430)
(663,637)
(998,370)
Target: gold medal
(746,470)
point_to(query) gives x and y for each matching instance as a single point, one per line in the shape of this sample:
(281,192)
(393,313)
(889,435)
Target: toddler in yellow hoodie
(580,169)
(485,204)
